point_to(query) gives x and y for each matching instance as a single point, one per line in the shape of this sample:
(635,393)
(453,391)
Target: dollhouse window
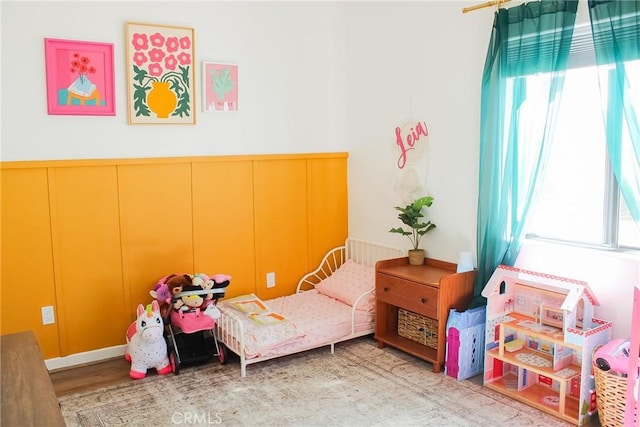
(503,287)
(580,314)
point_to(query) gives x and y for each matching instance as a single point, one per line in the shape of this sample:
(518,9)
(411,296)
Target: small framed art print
(80,77)
(219,87)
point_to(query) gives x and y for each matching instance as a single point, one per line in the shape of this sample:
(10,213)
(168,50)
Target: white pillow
(348,282)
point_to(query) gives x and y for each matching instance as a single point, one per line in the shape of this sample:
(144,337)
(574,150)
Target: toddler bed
(333,303)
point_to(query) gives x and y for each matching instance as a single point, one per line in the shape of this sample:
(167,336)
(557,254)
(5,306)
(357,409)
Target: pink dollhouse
(540,334)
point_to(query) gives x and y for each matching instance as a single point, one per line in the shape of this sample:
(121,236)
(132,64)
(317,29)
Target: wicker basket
(611,393)
(418,328)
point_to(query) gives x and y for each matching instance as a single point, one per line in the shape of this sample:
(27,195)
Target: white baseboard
(86,357)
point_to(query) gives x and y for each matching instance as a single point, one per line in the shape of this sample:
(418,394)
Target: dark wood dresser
(28,397)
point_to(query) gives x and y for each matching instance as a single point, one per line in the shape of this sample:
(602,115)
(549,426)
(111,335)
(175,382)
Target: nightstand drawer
(412,296)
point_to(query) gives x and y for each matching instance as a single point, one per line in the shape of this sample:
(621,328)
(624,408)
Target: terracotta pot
(416,256)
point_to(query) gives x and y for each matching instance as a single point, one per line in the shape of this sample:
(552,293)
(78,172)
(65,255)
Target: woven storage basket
(611,393)
(418,328)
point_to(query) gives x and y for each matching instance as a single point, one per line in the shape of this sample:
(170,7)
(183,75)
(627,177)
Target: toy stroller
(190,322)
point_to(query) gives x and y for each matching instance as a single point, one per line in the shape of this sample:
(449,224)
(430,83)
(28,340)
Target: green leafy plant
(411,216)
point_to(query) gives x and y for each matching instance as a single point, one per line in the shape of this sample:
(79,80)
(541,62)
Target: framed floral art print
(80,78)
(160,74)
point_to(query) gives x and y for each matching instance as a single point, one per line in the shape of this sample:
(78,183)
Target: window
(578,200)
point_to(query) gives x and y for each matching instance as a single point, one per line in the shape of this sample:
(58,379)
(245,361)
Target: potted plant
(411,216)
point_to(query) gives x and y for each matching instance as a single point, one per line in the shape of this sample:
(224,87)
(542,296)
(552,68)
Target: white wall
(291,82)
(424,61)
(415,61)
(314,77)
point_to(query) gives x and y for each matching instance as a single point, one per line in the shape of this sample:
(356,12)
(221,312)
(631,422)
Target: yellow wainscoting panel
(280,202)
(156,225)
(88,259)
(223,217)
(91,237)
(327,206)
(26,258)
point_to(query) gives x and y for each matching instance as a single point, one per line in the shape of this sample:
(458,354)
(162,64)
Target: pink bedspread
(320,318)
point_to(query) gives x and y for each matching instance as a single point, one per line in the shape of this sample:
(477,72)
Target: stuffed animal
(146,347)
(202,301)
(212,311)
(202,280)
(205,283)
(175,282)
(221,280)
(189,301)
(162,294)
(193,311)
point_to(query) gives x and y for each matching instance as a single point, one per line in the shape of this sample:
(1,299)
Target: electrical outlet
(48,317)
(271,280)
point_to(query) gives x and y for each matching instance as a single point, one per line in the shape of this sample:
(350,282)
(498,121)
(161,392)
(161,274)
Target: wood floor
(91,376)
(100,374)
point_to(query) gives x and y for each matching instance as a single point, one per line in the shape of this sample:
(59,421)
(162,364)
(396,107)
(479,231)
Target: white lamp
(465,262)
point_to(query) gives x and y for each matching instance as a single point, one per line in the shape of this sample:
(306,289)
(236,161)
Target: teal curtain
(528,39)
(615,26)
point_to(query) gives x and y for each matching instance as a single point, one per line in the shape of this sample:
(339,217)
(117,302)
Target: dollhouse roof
(573,289)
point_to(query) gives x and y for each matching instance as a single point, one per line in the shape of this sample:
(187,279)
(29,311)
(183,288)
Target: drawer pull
(424,300)
(385,289)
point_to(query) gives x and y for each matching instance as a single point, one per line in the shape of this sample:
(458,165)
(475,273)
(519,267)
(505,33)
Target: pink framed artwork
(160,74)
(80,78)
(219,87)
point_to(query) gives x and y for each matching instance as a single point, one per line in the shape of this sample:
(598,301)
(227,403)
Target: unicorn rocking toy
(146,346)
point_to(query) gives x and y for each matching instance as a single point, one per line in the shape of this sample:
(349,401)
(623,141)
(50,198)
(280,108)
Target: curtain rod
(483,5)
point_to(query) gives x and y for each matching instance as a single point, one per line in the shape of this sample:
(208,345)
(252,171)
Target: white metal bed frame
(229,327)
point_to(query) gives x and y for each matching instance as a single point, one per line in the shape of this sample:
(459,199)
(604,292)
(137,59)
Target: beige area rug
(358,385)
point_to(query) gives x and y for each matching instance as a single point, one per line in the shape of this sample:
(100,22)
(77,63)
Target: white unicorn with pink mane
(146,347)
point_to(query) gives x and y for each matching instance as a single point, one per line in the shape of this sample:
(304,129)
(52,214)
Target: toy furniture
(413,302)
(540,336)
(333,303)
(465,343)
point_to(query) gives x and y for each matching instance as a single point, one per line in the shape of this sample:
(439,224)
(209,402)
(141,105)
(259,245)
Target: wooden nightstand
(429,290)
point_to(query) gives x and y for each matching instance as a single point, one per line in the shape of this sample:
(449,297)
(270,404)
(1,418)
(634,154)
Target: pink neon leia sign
(407,137)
